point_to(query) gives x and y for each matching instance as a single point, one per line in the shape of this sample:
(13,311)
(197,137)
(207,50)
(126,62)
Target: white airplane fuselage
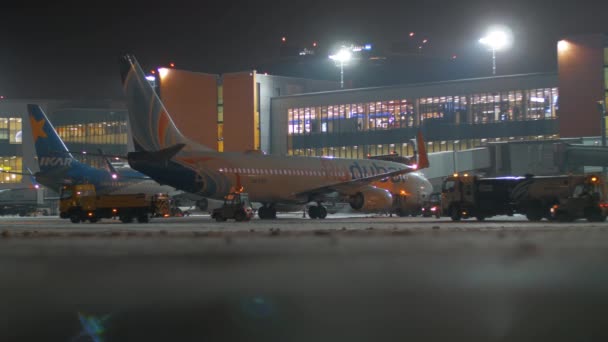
(268,179)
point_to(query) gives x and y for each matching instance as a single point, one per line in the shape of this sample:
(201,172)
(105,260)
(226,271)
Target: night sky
(71,50)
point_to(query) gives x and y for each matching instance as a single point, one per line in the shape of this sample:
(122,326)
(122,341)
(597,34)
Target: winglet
(109,166)
(422,158)
(35,183)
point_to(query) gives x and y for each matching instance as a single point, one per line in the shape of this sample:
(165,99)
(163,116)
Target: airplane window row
(286,172)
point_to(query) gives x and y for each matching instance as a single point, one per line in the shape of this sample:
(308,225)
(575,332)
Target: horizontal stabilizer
(158,156)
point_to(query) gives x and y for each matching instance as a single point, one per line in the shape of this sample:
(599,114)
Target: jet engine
(371,198)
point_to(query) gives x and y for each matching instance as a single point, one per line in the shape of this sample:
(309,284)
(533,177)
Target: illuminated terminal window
(479,108)
(406,149)
(95,133)
(12,164)
(11,130)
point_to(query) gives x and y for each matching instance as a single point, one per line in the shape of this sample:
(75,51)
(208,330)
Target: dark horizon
(69,50)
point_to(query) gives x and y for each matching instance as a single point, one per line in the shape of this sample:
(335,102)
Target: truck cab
(236,206)
(457,196)
(76,198)
(586,201)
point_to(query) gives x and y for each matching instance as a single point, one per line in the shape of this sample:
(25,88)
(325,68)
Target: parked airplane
(58,167)
(167,156)
(409,190)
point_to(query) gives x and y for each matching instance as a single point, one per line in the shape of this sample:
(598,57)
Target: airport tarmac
(350,277)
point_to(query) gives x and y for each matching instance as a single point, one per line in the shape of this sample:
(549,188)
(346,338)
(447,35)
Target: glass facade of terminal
(355,130)
(10,130)
(11,134)
(101,133)
(98,129)
(10,164)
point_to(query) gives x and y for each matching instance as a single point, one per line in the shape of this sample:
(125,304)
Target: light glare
(162,72)
(342,56)
(496,39)
(563,45)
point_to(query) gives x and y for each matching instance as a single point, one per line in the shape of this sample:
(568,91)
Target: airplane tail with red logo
(151,125)
(422,158)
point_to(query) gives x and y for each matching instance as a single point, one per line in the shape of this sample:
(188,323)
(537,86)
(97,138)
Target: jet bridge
(569,157)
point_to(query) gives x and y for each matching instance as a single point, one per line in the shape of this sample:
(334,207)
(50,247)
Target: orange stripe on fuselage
(193,161)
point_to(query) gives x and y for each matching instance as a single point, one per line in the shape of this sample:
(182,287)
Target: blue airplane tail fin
(50,149)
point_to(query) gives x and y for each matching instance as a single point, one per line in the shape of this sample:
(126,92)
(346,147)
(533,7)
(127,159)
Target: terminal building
(518,116)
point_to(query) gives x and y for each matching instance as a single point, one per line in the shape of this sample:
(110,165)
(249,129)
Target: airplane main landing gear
(267,212)
(317,211)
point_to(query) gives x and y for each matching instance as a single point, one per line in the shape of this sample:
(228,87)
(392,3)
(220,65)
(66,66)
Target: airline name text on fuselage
(55,161)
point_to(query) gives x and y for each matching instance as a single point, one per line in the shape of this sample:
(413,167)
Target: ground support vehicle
(236,206)
(534,197)
(80,203)
(432,206)
(585,202)
(467,196)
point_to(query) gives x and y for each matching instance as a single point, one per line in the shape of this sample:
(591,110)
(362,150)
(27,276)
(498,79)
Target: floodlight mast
(342,56)
(496,40)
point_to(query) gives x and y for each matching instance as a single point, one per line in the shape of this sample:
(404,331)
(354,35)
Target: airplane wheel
(402,212)
(240,216)
(273,213)
(535,213)
(564,217)
(313,212)
(322,212)
(455,214)
(265,213)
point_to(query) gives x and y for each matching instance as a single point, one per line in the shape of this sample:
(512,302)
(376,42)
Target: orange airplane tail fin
(422,157)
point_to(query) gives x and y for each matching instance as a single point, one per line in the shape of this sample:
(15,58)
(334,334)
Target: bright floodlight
(496,39)
(342,56)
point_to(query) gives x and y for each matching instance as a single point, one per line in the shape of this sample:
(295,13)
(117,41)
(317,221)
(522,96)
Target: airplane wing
(109,166)
(15,173)
(353,185)
(350,187)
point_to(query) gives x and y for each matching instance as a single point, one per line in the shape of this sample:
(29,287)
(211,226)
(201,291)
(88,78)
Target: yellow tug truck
(80,203)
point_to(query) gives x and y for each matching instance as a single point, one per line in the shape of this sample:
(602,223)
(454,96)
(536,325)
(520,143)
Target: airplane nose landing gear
(317,211)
